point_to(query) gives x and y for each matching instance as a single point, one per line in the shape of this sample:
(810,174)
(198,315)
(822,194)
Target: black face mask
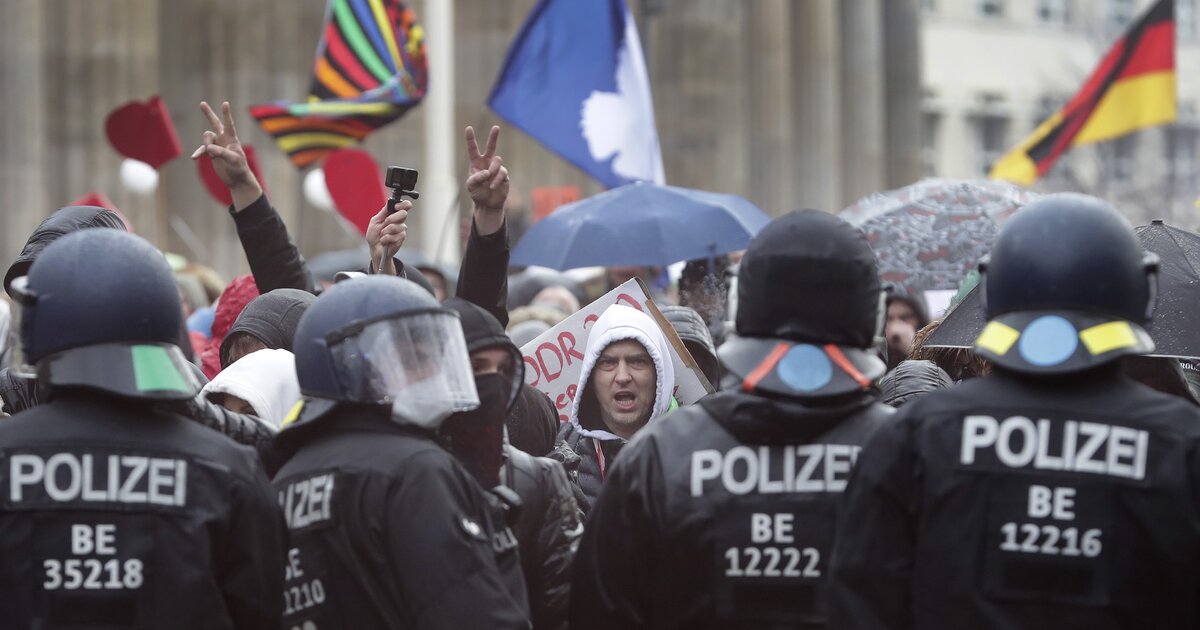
(476,437)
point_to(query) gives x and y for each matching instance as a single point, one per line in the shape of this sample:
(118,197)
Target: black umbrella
(1176,325)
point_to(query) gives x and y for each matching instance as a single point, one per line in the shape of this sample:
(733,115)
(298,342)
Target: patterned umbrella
(927,236)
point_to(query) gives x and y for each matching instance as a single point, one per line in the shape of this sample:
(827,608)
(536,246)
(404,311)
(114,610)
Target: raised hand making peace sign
(487,182)
(229,160)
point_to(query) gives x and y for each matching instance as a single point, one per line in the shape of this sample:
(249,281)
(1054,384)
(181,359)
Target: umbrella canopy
(640,224)
(927,236)
(1176,324)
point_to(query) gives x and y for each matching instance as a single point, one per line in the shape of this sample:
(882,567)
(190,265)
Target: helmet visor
(416,362)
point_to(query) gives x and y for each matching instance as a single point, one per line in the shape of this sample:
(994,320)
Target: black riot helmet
(382,340)
(1066,287)
(810,305)
(100,310)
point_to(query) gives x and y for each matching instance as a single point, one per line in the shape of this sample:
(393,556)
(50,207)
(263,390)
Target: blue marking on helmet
(1048,340)
(805,368)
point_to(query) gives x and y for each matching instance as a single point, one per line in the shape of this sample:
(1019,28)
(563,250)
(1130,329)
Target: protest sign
(554,359)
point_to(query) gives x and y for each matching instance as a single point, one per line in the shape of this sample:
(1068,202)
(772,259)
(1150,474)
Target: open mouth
(625,401)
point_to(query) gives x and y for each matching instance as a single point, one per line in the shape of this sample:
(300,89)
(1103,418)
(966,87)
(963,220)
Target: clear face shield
(21,297)
(415,361)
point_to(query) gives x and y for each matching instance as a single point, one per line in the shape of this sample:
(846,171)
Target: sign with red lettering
(554,360)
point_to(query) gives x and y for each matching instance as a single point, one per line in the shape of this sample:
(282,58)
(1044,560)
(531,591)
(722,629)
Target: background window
(990,9)
(1053,12)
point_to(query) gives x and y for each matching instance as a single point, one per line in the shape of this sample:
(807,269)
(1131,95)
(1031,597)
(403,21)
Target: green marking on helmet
(153,370)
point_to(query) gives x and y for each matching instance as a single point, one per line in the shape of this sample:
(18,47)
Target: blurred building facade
(994,69)
(790,103)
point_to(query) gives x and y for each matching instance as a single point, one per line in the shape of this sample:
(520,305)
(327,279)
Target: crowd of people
(364,450)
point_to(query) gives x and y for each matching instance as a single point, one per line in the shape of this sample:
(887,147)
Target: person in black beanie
(548,521)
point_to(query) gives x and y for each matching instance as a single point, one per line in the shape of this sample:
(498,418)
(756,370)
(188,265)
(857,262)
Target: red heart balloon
(143,131)
(213,183)
(355,184)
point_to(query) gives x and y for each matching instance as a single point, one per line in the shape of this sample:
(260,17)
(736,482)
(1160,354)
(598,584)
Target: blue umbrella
(640,224)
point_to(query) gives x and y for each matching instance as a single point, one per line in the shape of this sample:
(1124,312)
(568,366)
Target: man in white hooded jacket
(627,381)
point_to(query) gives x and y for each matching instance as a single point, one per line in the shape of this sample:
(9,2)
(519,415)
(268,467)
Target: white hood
(618,323)
(266,379)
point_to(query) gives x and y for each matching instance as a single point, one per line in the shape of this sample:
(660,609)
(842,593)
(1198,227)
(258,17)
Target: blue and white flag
(575,79)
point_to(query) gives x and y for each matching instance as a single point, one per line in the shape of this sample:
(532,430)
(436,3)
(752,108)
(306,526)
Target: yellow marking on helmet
(997,338)
(293,414)
(1108,337)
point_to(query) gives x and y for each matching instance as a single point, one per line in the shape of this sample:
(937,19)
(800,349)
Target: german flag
(1133,88)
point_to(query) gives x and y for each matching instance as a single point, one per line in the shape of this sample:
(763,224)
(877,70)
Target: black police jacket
(547,528)
(721,515)
(388,530)
(1008,502)
(113,515)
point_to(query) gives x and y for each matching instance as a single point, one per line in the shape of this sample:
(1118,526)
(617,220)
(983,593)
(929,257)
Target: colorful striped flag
(370,69)
(1133,88)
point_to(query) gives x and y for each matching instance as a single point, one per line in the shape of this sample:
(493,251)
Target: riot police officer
(1054,493)
(114,512)
(389,531)
(722,514)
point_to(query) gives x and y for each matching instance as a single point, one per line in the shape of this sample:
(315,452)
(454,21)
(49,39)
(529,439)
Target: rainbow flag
(370,69)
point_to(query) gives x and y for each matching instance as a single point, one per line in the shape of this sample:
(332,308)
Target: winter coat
(722,515)
(483,277)
(911,379)
(266,379)
(533,423)
(388,527)
(585,432)
(547,529)
(695,335)
(188,531)
(1013,502)
(275,262)
(271,318)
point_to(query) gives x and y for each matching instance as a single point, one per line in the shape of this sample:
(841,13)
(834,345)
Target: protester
(548,521)
(526,330)
(911,379)
(558,298)
(397,534)
(275,263)
(483,277)
(695,335)
(268,321)
(703,286)
(626,382)
(116,513)
(722,514)
(262,384)
(1055,492)
(905,316)
(238,293)
(959,363)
